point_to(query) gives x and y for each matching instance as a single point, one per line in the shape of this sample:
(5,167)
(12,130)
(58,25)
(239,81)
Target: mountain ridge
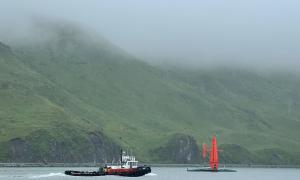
(69,84)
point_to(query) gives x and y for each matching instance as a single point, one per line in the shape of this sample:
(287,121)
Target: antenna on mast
(121,154)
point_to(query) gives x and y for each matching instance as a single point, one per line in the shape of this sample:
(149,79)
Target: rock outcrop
(42,147)
(179,149)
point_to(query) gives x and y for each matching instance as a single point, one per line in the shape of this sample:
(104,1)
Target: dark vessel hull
(210,170)
(84,173)
(136,172)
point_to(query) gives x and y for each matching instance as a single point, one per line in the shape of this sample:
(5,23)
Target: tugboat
(128,167)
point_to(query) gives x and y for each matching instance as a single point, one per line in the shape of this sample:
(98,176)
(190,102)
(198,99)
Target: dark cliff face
(21,151)
(179,149)
(102,149)
(42,147)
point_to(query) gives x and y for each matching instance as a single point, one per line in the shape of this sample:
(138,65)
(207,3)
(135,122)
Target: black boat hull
(84,173)
(140,171)
(210,170)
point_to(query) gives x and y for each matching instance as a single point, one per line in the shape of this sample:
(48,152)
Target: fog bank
(258,33)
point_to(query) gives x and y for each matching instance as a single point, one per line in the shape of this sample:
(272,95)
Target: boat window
(132,164)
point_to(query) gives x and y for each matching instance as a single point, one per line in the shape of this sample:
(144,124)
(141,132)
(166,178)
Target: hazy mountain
(73,97)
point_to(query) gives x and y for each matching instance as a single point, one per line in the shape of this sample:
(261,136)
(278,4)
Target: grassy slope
(263,111)
(27,107)
(140,106)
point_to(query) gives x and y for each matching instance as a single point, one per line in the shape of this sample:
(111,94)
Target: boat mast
(121,154)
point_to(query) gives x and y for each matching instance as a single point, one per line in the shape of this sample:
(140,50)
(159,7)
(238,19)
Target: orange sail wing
(213,159)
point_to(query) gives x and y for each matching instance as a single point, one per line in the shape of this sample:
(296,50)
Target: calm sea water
(157,174)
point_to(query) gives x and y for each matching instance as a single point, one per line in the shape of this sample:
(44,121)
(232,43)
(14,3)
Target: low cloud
(254,34)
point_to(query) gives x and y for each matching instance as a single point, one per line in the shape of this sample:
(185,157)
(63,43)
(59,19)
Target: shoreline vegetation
(152,165)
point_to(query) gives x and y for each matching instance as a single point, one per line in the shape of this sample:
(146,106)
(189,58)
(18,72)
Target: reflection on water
(47,173)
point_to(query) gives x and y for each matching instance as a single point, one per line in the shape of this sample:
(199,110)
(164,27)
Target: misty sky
(252,32)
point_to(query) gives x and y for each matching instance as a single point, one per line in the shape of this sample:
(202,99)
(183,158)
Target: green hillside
(72,96)
(34,127)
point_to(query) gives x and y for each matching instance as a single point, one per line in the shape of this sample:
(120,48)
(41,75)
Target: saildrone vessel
(213,158)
